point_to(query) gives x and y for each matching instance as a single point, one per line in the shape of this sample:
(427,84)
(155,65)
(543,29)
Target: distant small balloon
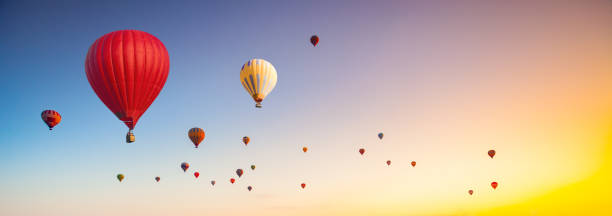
(157,179)
(388,163)
(213,182)
(303,185)
(314,40)
(184,166)
(250,188)
(491,153)
(196,135)
(413,163)
(239,172)
(51,118)
(252,167)
(196,174)
(232,180)
(246,140)
(494,185)
(305,149)
(361,151)
(120,177)
(471,192)
(380,135)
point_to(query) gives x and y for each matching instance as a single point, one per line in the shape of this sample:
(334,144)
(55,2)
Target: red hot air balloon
(303,185)
(413,163)
(184,166)
(305,149)
(471,192)
(250,188)
(232,180)
(157,179)
(314,40)
(494,185)
(388,163)
(127,69)
(491,153)
(51,118)
(213,182)
(196,174)
(361,151)
(239,172)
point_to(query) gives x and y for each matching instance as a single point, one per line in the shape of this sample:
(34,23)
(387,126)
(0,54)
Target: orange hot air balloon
(303,185)
(196,174)
(305,149)
(471,192)
(213,182)
(494,185)
(246,140)
(361,151)
(184,166)
(196,135)
(413,163)
(314,40)
(250,188)
(388,163)
(491,153)
(51,118)
(157,179)
(232,180)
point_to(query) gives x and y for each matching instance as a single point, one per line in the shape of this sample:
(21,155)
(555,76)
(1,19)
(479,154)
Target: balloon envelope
(491,153)
(127,69)
(413,163)
(303,185)
(196,135)
(250,188)
(196,174)
(213,182)
(120,177)
(388,163)
(305,149)
(471,192)
(232,180)
(252,167)
(380,135)
(314,40)
(184,166)
(157,179)
(494,185)
(361,151)
(246,140)
(239,172)
(258,77)
(51,118)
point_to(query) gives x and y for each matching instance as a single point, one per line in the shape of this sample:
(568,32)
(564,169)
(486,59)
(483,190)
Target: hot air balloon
(196,135)
(232,180)
(184,166)
(314,40)
(127,69)
(246,140)
(471,192)
(250,188)
(413,163)
(380,135)
(157,179)
(305,149)
(258,77)
(388,163)
(213,182)
(491,153)
(239,172)
(51,118)
(303,185)
(252,167)
(120,177)
(361,151)
(196,174)
(494,185)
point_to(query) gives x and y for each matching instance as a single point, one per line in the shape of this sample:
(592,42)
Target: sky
(444,80)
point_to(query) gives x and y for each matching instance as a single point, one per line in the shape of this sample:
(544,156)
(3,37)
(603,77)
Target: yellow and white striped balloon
(258,77)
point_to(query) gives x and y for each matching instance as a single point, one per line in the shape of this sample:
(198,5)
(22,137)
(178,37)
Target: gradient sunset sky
(444,80)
